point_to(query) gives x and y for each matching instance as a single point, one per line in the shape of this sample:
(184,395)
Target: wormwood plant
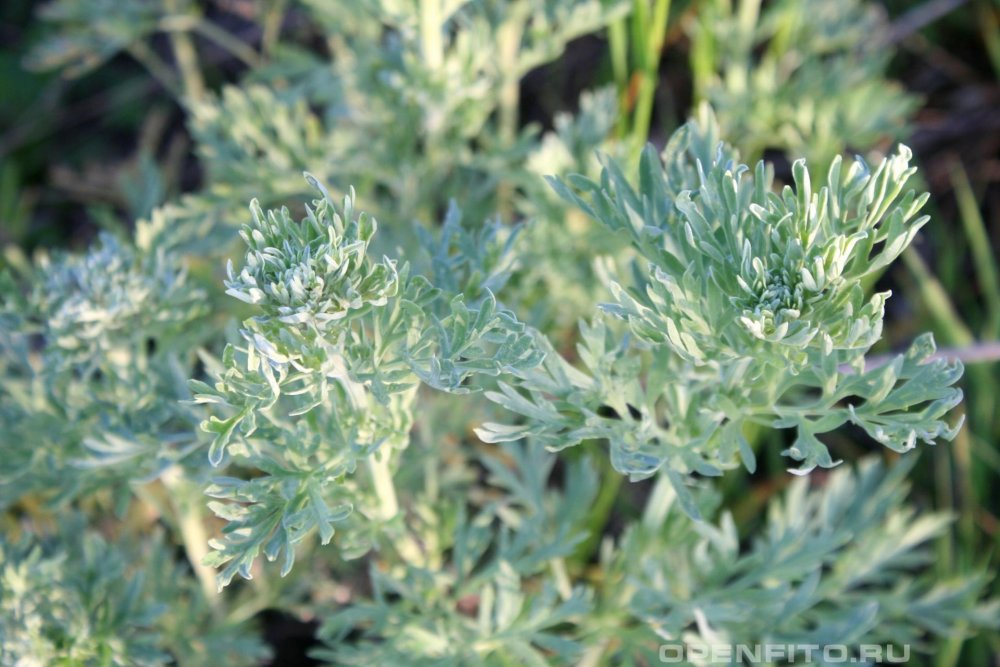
(747,307)
(315,401)
(806,78)
(346,341)
(92,349)
(409,419)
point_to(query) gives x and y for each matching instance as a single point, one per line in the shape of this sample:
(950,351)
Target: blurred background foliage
(178,112)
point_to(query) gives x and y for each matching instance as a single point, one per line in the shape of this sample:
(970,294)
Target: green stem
(378,466)
(431,24)
(597,518)
(594,654)
(979,243)
(185,498)
(738,75)
(156,67)
(403,542)
(509,44)
(989,25)
(432,50)
(271,29)
(618,44)
(229,42)
(962,453)
(702,60)
(936,299)
(187,58)
(659,501)
(951,649)
(561,577)
(655,35)
(185,23)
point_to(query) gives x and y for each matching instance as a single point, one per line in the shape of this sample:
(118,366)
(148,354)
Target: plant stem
(954,330)
(979,243)
(597,518)
(406,546)
(432,50)
(509,43)
(702,59)
(593,655)
(229,42)
(431,24)
(563,584)
(271,28)
(187,59)
(655,34)
(935,298)
(659,502)
(184,497)
(989,26)
(378,465)
(618,45)
(737,75)
(159,70)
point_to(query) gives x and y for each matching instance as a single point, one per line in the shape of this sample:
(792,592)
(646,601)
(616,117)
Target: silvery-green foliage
(89,32)
(464,146)
(74,599)
(466,259)
(91,309)
(746,306)
(326,374)
(838,562)
(94,353)
(416,111)
(253,139)
(473,45)
(491,588)
(743,308)
(574,137)
(557,282)
(804,77)
(83,614)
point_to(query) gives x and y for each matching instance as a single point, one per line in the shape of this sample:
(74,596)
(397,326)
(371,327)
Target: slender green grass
(964,475)
(983,260)
(643,34)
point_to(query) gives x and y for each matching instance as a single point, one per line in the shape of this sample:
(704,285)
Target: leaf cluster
(745,306)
